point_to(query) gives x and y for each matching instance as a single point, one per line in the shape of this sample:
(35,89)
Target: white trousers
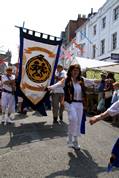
(75,113)
(8,101)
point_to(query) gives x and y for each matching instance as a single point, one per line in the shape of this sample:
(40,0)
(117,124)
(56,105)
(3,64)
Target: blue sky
(47,16)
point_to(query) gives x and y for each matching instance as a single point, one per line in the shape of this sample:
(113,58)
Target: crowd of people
(68,93)
(107,89)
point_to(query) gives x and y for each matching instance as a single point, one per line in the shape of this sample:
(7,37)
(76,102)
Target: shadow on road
(20,116)
(31,132)
(81,165)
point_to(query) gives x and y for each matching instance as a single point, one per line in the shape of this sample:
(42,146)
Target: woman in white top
(75,103)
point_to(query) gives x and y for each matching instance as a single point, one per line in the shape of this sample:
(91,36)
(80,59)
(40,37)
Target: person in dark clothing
(101,87)
(109,89)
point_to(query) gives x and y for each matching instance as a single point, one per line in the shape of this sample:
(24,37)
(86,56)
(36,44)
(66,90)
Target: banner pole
(23,24)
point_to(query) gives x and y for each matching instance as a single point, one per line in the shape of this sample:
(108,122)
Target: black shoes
(55,120)
(61,118)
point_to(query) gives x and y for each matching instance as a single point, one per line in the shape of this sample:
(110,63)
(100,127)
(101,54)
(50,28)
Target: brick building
(71,27)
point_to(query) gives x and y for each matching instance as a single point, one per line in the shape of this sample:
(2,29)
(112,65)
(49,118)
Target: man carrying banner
(58,95)
(8,95)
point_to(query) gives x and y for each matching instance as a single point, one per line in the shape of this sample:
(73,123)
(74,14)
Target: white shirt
(77,91)
(113,110)
(89,82)
(61,75)
(5,78)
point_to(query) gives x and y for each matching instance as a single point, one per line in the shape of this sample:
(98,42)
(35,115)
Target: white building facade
(99,36)
(82,40)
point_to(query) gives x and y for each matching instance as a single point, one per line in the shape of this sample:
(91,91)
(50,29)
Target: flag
(65,54)
(2,61)
(79,47)
(39,54)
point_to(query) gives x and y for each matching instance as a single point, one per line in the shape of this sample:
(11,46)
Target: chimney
(83,16)
(91,10)
(79,16)
(91,13)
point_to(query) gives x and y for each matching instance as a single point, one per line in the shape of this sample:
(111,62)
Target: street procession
(59,90)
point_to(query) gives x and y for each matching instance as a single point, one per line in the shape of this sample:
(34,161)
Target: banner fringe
(41,34)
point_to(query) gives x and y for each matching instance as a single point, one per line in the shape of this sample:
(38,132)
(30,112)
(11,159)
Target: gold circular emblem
(38,69)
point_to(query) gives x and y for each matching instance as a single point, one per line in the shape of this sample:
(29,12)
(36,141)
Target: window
(116,13)
(82,48)
(114,41)
(85,32)
(81,35)
(104,22)
(94,30)
(94,51)
(103,46)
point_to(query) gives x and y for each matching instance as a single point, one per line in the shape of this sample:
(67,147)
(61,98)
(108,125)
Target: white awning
(111,68)
(86,63)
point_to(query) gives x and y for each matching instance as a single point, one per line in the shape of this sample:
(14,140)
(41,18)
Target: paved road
(34,148)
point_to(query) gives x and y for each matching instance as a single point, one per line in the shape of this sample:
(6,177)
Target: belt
(7,91)
(77,101)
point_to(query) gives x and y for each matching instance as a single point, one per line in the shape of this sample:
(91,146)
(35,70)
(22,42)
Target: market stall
(93,68)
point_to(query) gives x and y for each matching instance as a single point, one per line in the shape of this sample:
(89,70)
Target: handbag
(108,94)
(101,105)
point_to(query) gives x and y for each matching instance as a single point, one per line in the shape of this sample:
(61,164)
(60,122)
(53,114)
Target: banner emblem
(38,69)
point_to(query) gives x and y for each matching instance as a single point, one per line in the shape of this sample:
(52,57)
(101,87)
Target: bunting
(79,47)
